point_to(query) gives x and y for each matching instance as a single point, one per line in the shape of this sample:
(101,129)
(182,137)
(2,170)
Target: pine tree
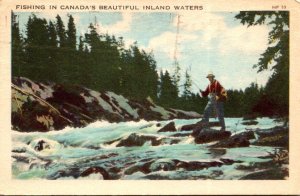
(277,88)
(187,86)
(36,49)
(61,32)
(52,52)
(71,34)
(80,46)
(17,46)
(168,91)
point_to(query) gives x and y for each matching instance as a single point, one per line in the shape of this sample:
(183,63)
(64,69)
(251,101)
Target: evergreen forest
(51,51)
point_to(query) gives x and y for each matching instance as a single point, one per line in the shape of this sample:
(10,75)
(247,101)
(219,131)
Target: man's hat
(210,74)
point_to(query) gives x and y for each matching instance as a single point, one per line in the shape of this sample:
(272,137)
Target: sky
(207,41)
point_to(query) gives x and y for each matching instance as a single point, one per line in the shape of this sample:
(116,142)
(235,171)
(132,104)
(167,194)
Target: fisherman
(216,97)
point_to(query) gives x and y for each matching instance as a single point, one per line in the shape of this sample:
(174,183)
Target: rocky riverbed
(155,150)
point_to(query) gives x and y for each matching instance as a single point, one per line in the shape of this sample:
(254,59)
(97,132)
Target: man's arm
(204,93)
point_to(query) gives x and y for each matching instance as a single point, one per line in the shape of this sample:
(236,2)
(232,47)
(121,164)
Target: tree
(53,50)
(168,91)
(61,32)
(71,34)
(17,47)
(36,49)
(276,56)
(187,86)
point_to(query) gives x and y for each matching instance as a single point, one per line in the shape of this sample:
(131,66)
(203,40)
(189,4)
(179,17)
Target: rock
(168,140)
(142,167)
(170,165)
(186,114)
(43,107)
(238,140)
(138,140)
(196,165)
(229,161)
(95,170)
(276,136)
(163,164)
(181,134)
(197,125)
(278,130)
(21,158)
(210,135)
(170,127)
(188,127)
(73,172)
(41,145)
(200,125)
(277,140)
(251,122)
(268,174)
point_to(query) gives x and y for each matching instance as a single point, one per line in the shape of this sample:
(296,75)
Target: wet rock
(276,136)
(229,161)
(41,145)
(95,170)
(68,172)
(170,141)
(278,130)
(138,140)
(251,122)
(199,124)
(186,114)
(44,107)
(196,165)
(19,150)
(188,127)
(171,165)
(210,135)
(181,134)
(268,174)
(247,134)
(142,167)
(170,127)
(197,129)
(277,140)
(21,158)
(238,140)
(163,164)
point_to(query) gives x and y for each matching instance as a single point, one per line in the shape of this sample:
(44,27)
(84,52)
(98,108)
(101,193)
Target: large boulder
(95,173)
(172,165)
(238,140)
(40,106)
(276,136)
(138,140)
(163,164)
(199,124)
(210,135)
(267,174)
(170,127)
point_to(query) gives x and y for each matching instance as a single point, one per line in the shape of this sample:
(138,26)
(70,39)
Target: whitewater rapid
(72,149)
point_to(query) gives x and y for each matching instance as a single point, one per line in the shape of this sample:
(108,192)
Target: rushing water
(72,149)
